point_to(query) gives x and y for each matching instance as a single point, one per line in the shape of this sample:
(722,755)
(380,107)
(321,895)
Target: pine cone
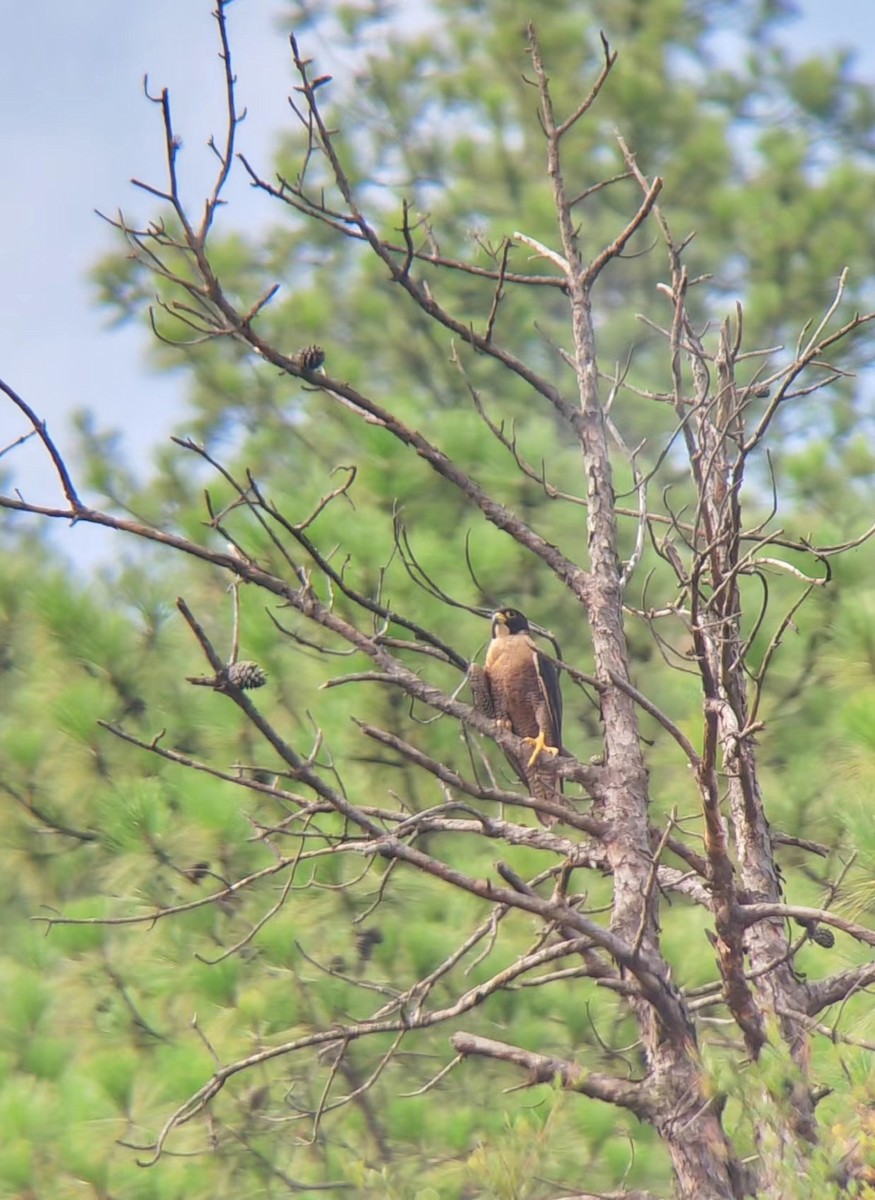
(245,675)
(365,940)
(821,934)
(311,358)
(824,936)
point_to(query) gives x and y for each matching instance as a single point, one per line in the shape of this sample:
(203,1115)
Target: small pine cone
(311,358)
(365,940)
(821,934)
(824,936)
(258,1098)
(245,675)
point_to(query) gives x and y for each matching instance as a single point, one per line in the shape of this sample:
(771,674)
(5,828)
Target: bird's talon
(540,747)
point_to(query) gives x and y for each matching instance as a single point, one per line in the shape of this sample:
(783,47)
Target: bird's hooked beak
(499,624)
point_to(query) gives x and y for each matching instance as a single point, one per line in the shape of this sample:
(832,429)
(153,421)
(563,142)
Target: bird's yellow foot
(540,747)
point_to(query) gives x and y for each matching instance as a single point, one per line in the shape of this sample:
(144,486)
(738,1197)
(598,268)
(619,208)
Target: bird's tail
(545,787)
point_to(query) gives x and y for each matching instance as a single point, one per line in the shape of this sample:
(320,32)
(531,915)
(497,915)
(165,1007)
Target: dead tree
(721,424)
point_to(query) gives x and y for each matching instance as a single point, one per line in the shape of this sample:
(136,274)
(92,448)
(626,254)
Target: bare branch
(41,431)
(542,1069)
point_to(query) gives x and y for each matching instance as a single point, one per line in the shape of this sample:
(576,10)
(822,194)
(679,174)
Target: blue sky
(75,127)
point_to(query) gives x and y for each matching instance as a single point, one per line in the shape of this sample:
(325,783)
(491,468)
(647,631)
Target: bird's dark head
(507,621)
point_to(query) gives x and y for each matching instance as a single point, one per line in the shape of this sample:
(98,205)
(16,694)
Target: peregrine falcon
(519,687)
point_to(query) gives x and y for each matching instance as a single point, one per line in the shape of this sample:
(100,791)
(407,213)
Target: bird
(519,687)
